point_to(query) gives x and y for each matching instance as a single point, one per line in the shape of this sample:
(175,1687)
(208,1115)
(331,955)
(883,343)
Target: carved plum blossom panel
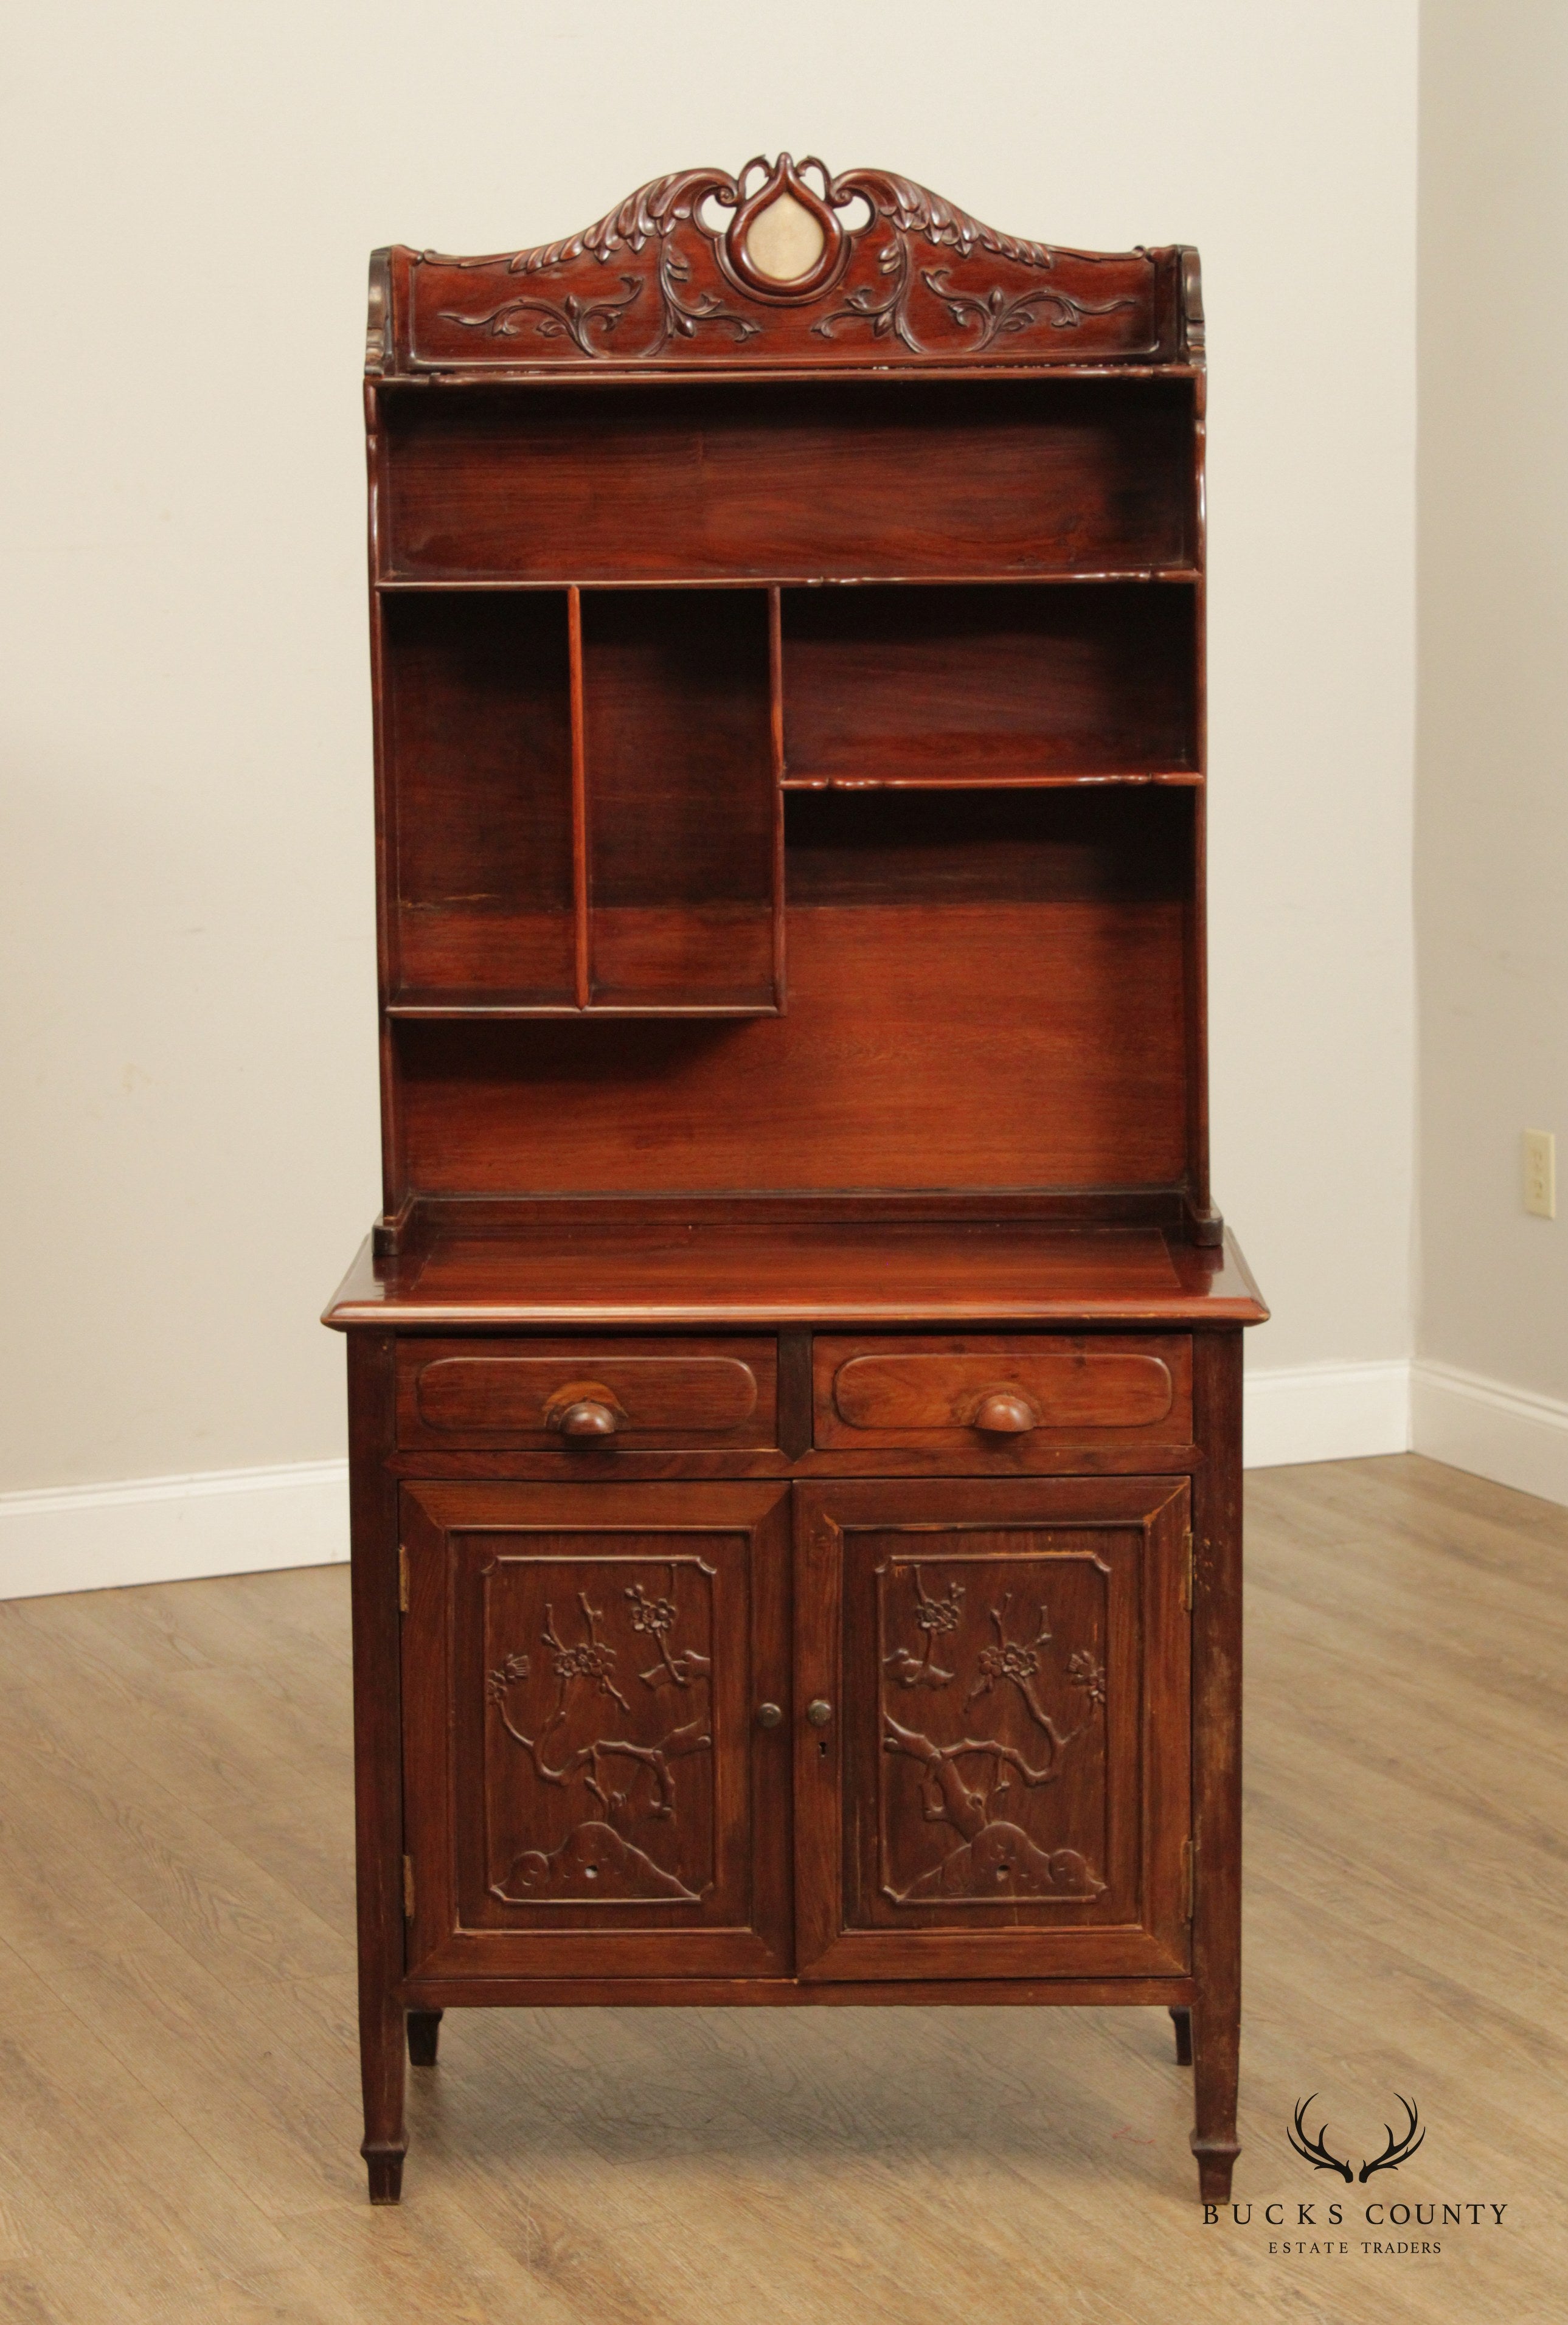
(598,1782)
(995,1728)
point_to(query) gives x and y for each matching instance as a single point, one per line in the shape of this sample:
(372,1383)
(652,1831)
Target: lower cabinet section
(966,1755)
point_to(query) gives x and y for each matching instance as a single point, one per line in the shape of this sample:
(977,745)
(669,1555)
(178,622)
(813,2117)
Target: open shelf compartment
(477,752)
(987,991)
(962,684)
(586,786)
(679,782)
(582,808)
(791,480)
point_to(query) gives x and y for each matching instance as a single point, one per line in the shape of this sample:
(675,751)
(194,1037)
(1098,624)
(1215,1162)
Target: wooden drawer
(1003,1396)
(572,1396)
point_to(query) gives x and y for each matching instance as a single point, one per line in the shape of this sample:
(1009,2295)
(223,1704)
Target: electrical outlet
(1541,1174)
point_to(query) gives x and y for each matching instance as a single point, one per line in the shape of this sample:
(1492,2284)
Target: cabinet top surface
(783,267)
(765,1272)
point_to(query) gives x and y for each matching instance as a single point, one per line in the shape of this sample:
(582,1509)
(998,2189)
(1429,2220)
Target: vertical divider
(580,899)
(775,726)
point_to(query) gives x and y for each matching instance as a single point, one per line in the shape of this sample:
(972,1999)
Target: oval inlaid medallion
(784,241)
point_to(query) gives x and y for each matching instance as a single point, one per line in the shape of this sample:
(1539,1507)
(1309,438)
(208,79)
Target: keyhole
(823,1748)
(591,1872)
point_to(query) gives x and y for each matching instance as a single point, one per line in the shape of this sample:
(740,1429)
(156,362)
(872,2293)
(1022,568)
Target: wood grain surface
(179,2101)
(667,1269)
(913,1388)
(660,1392)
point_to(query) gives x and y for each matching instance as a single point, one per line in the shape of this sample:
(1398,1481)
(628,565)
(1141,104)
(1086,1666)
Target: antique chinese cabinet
(794,1385)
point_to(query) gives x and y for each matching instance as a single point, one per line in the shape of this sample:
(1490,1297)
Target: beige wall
(191,194)
(1492,831)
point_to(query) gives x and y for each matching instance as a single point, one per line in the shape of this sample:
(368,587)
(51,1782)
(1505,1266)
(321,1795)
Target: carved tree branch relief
(967,1783)
(588,1738)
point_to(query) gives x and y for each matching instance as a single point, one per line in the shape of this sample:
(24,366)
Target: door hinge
(1186,1880)
(408,1889)
(1187,1571)
(403,1579)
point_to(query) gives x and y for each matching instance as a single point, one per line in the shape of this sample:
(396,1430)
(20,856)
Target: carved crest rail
(782,265)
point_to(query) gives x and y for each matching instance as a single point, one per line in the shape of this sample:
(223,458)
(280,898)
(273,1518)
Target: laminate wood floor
(178,2076)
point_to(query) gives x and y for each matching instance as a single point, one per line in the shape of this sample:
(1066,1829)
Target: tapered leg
(1217,1759)
(385,2177)
(1216,2057)
(424,2033)
(381,2072)
(377,1757)
(1182,2020)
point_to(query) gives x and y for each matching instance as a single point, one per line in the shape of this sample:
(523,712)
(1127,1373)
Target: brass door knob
(1006,1413)
(819,1711)
(587,1418)
(769,1715)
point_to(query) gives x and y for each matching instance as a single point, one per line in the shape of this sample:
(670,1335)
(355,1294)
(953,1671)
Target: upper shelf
(1093,577)
(793,481)
(782,269)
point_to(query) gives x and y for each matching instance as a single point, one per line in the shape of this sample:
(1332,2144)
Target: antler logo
(1317,2153)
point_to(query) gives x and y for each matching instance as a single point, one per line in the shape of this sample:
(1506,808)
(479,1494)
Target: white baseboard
(1506,1434)
(173,1529)
(249,1521)
(1325,1412)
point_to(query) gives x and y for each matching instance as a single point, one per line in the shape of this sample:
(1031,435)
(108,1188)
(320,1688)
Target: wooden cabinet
(794,1379)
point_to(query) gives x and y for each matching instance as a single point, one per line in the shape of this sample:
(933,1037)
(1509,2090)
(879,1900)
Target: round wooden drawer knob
(1004,1412)
(587,1418)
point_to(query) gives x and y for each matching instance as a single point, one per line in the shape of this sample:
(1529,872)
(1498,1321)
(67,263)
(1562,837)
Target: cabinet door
(998,1787)
(588,1788)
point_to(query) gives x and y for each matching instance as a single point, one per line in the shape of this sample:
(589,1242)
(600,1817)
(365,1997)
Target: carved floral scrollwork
(914,213)
(889,315)
(695,227)
(569,318)
(683,313)
(652,214)
(997,316)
